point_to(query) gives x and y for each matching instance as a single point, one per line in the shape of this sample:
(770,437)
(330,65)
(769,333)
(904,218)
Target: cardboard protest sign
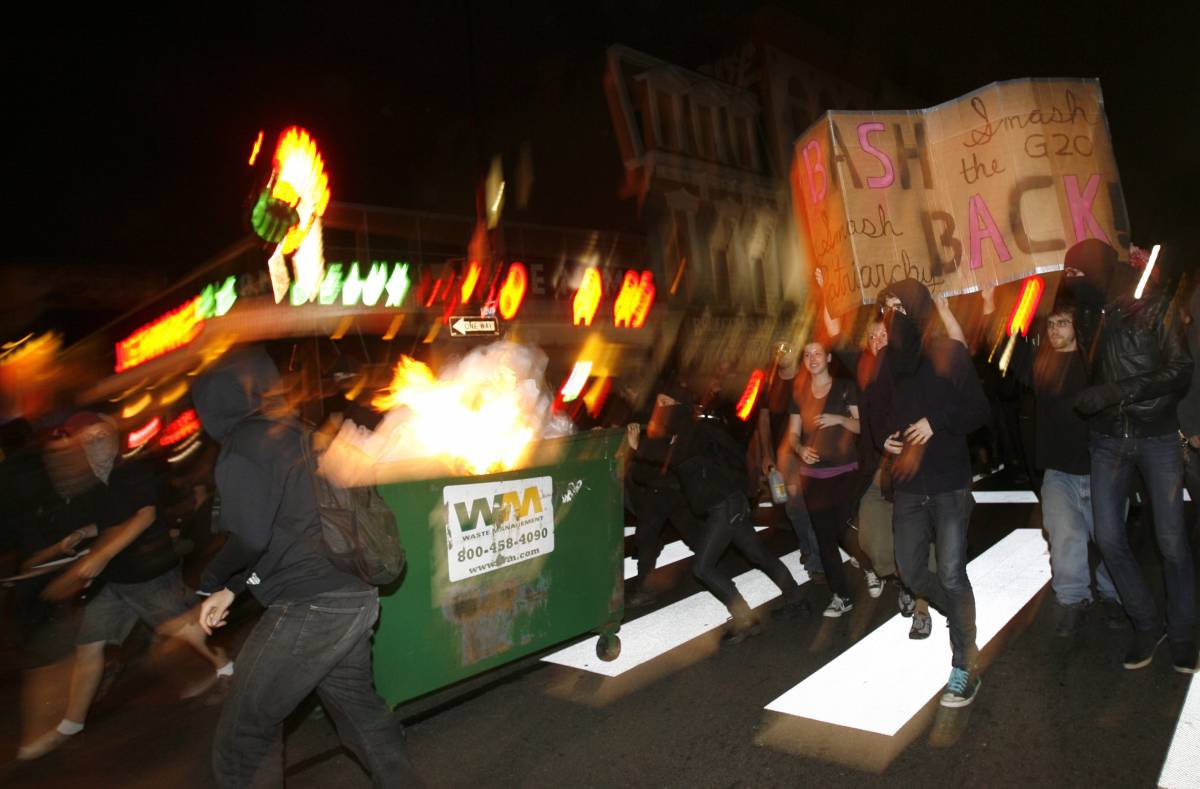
(986,189)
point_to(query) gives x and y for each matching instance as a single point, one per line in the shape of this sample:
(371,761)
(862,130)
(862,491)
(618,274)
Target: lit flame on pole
(1141,286)
(745,406)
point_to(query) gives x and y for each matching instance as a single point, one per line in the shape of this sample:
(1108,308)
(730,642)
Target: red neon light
(181,427)
(745,406)
(469,281)
(634,301)
(587,298)
(173,330)
(512,292)
(1026,307)
(144,434)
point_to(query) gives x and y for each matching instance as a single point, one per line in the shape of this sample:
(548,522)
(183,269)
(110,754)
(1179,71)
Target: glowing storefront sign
(174,330)
(634,300)
(512,292)
(587,298)
(143,434)
(184,425)
(353,289)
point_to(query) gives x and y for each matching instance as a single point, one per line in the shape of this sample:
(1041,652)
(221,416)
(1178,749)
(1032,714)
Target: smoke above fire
(481,415)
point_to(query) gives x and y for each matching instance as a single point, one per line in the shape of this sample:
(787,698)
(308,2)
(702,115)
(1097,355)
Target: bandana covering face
(100,447)
(904,344)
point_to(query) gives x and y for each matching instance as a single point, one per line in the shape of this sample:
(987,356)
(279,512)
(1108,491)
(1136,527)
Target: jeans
(1160,462)
(1067,519)
(322,644)
(729,522)
(829,504)
(1191,479)
(806,538)
(940,519)
(875,530)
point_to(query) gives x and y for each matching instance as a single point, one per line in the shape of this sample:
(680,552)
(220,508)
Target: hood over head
(1098,263)
(236,387)
(906,330)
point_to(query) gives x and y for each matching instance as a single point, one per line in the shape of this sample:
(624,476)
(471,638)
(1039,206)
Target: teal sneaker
(961,688)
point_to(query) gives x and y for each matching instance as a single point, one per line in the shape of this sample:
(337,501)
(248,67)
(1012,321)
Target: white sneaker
(838,606)
(874,584)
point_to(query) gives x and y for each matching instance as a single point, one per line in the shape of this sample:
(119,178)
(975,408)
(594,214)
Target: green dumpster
(504,565)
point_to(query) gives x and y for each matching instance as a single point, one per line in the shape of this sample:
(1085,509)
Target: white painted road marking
(672,552)
(658,632)
(882,681)
(1004,497)
(1182,767)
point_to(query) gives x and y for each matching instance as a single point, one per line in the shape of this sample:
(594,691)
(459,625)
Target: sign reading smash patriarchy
(986,189)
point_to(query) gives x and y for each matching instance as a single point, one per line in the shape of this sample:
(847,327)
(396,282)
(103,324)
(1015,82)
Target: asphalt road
(1051,712)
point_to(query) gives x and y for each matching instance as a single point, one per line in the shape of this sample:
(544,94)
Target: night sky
(134,154)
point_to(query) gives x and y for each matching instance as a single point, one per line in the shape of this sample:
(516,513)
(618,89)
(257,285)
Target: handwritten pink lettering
(981,225)
(865,130)
(814,166)
(1082,217)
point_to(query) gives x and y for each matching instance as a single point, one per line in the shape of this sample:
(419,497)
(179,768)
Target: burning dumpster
(503,565)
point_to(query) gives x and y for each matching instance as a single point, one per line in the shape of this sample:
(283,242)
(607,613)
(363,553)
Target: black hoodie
(268,505)
(931,378)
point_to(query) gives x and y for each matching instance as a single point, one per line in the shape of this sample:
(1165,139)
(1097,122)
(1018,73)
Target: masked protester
(315,634)
(935,401)
(1140,369)
(133,562)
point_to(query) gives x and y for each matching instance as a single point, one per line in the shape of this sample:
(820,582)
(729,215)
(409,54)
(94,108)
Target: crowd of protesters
(868,448)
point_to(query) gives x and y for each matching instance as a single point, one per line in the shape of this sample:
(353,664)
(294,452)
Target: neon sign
(587,298)
(634,300)
(354,289)
(174,330)
(181,427)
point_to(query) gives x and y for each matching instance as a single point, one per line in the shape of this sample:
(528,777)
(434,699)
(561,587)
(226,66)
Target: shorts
(111,615)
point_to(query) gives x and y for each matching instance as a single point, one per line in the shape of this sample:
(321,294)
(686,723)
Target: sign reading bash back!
(985,189)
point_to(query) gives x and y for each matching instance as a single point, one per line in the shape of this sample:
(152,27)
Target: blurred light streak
(133,409)
(587,298)
(1141,286)
(470,280)
(1026,306)
(393,328)
(186,450)
(143,434)
(161,336)
(634,300)
(576,380)
(745,406)
(343,326)
(258,141)
(184,425)
(512,292)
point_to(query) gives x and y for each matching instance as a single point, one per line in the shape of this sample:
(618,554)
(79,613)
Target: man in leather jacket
(1140,368)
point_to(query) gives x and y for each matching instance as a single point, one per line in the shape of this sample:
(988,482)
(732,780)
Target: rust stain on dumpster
(486,619)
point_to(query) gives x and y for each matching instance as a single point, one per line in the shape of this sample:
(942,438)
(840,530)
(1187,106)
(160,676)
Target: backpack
(358,528)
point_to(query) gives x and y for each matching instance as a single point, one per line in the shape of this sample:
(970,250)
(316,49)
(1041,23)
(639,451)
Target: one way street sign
(467,326)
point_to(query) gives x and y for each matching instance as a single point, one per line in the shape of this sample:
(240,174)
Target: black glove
(1096,398)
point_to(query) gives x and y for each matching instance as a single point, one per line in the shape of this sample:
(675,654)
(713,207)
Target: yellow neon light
(133,409)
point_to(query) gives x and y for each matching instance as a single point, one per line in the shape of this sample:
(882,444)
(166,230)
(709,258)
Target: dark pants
(322,644)
(1160,462)
(830,502)
(653,507)
(1191,480)
(940,519)
(729,522)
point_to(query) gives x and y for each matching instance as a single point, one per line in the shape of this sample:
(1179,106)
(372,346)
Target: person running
(134,563)
(936,401)
(822,432)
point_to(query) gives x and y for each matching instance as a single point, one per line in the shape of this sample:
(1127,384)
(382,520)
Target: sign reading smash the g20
(986,189)
(490,525)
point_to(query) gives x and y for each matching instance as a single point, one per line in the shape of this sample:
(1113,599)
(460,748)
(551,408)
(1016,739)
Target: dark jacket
(267,499)
(1189,406)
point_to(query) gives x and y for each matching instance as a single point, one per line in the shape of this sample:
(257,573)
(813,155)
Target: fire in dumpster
(478,416)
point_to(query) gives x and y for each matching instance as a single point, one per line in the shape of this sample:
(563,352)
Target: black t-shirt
(131,486)
(1062,436)
(836,446)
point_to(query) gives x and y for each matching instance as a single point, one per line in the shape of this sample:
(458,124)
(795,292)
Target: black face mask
(904,344)
(680,416)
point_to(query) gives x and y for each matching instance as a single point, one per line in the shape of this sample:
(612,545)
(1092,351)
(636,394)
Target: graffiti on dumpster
(490,525)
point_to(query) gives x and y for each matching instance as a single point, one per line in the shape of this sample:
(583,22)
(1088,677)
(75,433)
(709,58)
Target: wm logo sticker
(502,508)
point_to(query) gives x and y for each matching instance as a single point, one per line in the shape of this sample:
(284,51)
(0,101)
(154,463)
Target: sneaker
(1183,655)
(922,626)
(838,606)
(1070,618)
(42,745)
(1114,614)
(1141,649)
(906,601)
(874,584)
(960,689)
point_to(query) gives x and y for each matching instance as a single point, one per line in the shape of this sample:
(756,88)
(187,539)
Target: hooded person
(316,631)
(1140,369)
(933,403)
